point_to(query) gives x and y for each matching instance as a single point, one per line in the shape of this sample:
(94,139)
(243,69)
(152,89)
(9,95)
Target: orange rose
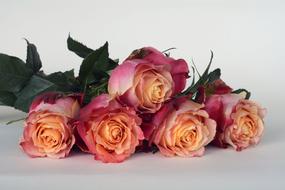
(48,132)
(108,130)
(181,128)
(239,121)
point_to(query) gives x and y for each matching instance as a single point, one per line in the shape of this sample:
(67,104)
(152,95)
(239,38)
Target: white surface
(247,38)
(261,167)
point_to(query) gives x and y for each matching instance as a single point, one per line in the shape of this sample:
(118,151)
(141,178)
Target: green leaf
(202,80)
(195,68)
(78,48)
(83,51)
(7,98)
(112,64)
(65,81)
(70,74)
(34,87)
(214,75)
(96,90)
(33,60)
(97,61)
(14,73)
(241,90)
(209,65)
(116,61)
(193,80)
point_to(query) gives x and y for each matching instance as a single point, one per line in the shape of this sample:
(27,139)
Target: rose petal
(30,149)
(121,78)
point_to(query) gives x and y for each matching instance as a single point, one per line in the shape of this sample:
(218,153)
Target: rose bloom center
(113,131)
(245,128)
(47,137)
(186,132)
(153,87)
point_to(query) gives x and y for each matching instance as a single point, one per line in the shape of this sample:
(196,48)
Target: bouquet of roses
(113,110)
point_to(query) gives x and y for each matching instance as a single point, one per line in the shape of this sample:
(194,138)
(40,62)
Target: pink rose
(239,121)
(48,130)
(147,79)
(109,131)
(181,128)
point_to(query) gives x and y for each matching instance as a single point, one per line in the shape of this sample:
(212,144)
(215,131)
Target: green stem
(16,120)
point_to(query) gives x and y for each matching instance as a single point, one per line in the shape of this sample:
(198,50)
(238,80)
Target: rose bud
(239,121)
(216,87)
(147,78)
(47,129)
(181,128)
(109,131)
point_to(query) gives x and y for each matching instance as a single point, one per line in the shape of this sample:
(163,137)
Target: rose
(239,121)
(48,131)
(147,79)
(108,130)
(181,128)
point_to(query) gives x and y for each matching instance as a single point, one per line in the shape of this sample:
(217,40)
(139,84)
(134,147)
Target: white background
(248,41)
